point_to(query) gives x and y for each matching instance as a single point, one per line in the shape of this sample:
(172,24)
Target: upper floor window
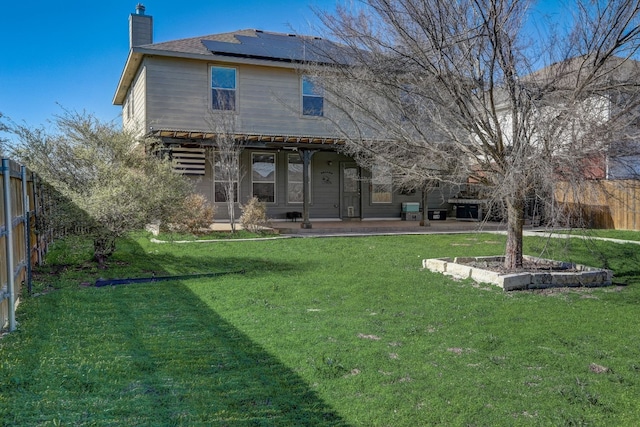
(312,97)
(223,88)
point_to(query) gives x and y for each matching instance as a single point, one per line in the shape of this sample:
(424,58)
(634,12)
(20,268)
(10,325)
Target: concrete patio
(383,227)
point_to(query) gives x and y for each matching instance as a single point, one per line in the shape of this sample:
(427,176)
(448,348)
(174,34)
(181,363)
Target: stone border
(583,276)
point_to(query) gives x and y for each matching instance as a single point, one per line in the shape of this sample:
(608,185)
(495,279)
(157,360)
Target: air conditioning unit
(410,207)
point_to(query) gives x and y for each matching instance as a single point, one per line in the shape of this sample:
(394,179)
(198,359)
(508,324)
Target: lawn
(609,234)
(321,332)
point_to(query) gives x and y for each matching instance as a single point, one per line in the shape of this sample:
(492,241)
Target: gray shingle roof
(194,44)
(256,44)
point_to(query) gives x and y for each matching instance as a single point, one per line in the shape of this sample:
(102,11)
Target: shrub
(107,182)
(194,215)
(254,215)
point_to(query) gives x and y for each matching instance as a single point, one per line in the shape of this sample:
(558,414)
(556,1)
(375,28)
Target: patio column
(425,204)
(306,190)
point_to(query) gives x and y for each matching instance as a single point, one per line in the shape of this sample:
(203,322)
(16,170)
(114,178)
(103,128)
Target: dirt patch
(369,337)
(352,373)
(598,369)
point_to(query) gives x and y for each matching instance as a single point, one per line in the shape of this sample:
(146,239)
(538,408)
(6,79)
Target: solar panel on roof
(279,47)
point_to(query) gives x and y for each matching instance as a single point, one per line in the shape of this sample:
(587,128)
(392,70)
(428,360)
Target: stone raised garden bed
(539,273)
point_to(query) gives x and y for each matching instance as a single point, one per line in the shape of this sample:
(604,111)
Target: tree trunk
(231,206)
(515,223)
(103,248)
(425,205)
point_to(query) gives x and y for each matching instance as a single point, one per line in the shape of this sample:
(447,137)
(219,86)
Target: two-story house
(251,85)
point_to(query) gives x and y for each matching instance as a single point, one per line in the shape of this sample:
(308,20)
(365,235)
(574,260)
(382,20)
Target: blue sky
(70,53)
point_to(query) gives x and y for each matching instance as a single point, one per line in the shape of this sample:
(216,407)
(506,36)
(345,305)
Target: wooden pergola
(306,146)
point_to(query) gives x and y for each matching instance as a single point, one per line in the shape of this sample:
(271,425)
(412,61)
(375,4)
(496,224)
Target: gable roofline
(126,77)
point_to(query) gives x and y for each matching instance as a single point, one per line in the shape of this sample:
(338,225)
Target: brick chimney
(140,27)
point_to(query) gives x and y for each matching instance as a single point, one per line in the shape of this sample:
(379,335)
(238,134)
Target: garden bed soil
(528,266)
(537,273)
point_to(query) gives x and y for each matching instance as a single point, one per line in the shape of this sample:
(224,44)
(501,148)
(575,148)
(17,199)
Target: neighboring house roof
(237,46)
(572,72)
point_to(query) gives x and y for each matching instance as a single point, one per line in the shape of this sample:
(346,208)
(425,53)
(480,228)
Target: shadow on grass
(622,259)
(147,354)
(187,259)
(195,363)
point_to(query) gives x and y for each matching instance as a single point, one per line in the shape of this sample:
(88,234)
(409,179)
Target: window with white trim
(223,88)
(312,97)
(295,182)
(381,183)
(263,176)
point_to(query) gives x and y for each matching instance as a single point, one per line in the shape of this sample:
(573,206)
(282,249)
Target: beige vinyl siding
(134,109)
(176,94)
(270,103)
(268,98)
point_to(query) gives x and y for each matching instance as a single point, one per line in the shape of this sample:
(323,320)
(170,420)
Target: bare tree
(225,159)
(3,141)
(446,90)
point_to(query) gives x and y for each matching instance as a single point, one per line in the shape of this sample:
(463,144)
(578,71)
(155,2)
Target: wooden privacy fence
(611,204)
(20,246)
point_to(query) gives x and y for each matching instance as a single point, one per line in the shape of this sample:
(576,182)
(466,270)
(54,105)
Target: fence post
(27,225)
(6,170)
(38,204)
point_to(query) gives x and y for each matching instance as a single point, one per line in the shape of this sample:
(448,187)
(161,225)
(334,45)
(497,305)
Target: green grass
(610,234)
(213,235)
(321,332)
